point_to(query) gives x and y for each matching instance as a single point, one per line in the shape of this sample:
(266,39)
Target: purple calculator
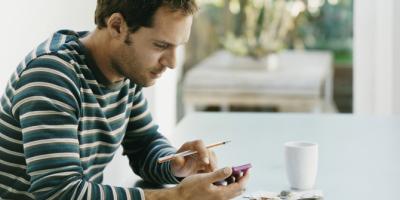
(240,170)
(237,173)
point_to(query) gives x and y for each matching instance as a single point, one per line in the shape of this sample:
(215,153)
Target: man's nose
(169,59)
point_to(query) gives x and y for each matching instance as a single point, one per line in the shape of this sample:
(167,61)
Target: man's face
(145,54)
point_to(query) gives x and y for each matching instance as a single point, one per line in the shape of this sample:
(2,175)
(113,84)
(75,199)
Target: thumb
(177,163)
(220,174)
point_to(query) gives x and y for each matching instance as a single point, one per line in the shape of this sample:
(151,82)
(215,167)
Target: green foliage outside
(259,27)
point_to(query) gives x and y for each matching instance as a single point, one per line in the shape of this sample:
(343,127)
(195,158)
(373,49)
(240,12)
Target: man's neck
(97,45)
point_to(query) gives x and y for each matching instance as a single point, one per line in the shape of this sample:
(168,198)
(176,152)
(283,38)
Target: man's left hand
(203,161)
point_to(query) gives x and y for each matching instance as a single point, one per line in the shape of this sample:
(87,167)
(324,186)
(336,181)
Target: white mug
(301,164)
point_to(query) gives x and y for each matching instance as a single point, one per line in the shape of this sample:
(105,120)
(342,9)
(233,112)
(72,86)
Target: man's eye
(161,46)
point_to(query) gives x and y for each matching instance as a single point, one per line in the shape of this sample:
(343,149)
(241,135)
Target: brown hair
(139,13)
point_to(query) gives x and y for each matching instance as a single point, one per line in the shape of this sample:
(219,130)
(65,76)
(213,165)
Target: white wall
(26,23)
(376,57)
(396,50)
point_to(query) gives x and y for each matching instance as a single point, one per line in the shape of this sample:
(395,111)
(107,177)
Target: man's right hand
(200,186)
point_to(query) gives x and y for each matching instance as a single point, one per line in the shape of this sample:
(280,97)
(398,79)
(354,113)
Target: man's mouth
(155,75)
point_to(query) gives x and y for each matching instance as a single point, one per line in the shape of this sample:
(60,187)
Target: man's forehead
(171,27)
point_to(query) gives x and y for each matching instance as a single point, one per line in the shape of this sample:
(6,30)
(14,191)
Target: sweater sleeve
(47,105)
(143,145)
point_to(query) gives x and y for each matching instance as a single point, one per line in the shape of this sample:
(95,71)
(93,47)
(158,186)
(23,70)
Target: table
(359,155)
(290,81)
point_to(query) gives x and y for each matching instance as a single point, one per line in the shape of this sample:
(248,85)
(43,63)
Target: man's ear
(116,26)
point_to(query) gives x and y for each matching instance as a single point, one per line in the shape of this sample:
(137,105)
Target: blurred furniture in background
(290,81)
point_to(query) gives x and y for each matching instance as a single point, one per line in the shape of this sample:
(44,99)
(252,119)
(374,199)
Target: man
(77,97)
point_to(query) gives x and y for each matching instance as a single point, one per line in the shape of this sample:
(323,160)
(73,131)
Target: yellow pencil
(189,152)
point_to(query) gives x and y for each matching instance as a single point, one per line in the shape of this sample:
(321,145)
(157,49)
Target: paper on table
(287,195)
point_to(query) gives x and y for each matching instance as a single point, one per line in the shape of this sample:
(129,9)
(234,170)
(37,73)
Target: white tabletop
(359,156)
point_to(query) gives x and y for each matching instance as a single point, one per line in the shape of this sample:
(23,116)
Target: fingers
(203,185)
(213,162)
(218,175)
(202,161)
(202,151)
(243,180)
(204,156)
(178,162)
(237,188)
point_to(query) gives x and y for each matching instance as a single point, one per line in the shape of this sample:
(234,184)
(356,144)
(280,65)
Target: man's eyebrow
(167,43)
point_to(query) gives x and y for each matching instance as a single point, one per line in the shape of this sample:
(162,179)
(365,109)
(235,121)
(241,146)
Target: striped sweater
(60,127)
